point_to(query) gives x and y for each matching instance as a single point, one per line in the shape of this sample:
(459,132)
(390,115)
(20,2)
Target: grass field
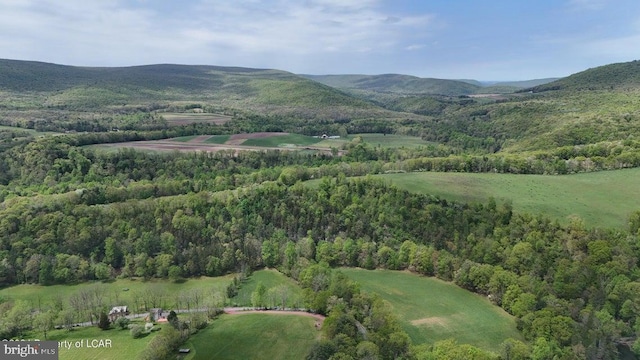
(185,138)
(602,199)
(217,139)
(270,279)
(254,336)
(165,292)
(377,140)
(123,346)
(282,140)
(431,310)
(178,119)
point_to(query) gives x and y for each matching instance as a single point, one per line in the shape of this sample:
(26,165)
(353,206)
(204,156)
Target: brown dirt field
(257,135)
(235,141)
(167,145)
(431,321)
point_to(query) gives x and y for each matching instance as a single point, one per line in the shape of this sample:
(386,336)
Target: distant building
(118,311)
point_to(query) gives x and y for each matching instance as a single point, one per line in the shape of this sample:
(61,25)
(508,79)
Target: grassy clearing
(431,310)
(217,139)
(123,346)
(185,138)
(282,140)
(270,279)
(30,131)
(602,199)
(165,292)
(254,336)
(378,140)
(177,119)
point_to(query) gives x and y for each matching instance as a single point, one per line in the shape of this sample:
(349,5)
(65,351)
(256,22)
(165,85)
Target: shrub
(136,331)
(122,323)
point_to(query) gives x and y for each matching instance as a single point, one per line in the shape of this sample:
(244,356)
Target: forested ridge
(70,213)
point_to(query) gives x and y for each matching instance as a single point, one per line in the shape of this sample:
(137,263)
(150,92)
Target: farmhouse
(118,311)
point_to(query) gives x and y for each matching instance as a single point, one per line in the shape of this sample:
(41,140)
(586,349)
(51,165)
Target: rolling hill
(396,84)
(70,87)
(619,76)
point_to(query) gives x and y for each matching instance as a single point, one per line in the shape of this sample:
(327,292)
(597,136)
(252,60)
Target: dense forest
(71,213)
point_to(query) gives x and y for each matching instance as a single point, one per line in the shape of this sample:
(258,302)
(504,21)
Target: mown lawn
(601,199)
(431,310)
(85,343)
(254,336)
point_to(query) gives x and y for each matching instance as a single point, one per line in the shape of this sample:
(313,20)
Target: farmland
(181,119)
(252,336)
(431,310)
(604,199)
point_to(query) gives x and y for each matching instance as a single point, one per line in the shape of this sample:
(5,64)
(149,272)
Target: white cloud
(243,32)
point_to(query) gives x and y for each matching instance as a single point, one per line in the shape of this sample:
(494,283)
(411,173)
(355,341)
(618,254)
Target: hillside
(396,84)
(619,76)
(597,105)
(26,84)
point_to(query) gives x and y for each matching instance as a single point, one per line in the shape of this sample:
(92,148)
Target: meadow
(254,336)
(431,310)
(378,140)
(178,119)
(122,345)
(119,292)
(601,199)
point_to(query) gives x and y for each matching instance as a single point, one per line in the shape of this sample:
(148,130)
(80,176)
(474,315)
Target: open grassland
(123,345)
(279,140)
(119,292)
(178,119)
(271,279)
(254,336)
(601,199)
(378,140)
(431,310)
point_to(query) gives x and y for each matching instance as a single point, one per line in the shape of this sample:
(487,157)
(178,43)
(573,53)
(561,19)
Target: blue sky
(452,39)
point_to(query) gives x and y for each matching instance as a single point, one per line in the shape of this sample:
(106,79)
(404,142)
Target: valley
(420,218)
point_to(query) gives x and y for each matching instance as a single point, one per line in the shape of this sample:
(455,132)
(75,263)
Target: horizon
(505,41)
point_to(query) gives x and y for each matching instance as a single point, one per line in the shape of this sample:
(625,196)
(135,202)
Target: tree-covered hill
(397,84)
(608,77)
(94,88)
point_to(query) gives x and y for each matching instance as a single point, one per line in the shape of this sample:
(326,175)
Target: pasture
(164,293)
(94,344)
(377,140)
(254,336)
(180,119)
(431,310)
(601,199)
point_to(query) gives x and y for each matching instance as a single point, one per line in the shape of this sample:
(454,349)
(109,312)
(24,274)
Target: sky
(487,40)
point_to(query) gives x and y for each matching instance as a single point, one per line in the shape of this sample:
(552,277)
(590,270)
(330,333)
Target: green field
(378,140)
(123,346)
(601,199)
(270,279)
(119,292)
(282,141)
(431,310)
(254,336)
(217,139)
(185,138)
